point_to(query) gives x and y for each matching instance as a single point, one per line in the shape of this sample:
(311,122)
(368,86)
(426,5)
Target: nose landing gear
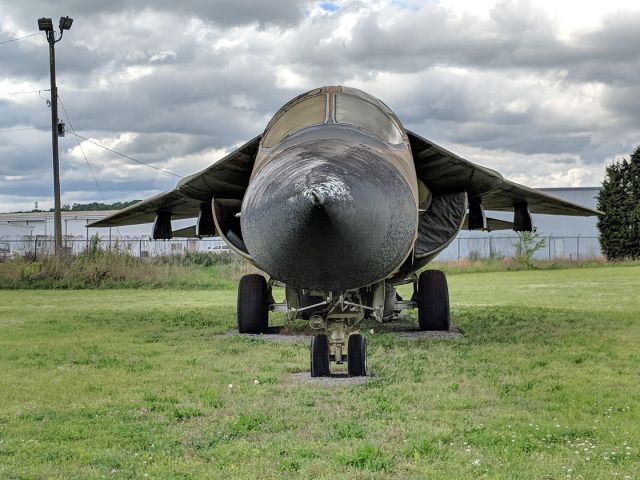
(336,344)
(323,352)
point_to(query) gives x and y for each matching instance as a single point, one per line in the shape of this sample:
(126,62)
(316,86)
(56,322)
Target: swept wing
(445,172)
(227,178)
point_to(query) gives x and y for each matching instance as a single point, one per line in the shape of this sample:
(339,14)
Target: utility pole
(46,25)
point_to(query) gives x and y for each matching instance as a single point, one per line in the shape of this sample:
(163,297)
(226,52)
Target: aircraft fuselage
(331,206)
(330,210)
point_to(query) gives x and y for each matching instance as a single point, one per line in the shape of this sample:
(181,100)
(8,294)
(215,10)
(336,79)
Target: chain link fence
(561,247)
(43,246)
(472,248)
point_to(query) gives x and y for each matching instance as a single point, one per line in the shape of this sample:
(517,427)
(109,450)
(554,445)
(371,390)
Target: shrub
(526,247)
(97,268)
(619,201)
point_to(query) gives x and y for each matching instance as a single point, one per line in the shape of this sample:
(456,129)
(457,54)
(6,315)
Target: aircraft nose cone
(315,196)
(328,217)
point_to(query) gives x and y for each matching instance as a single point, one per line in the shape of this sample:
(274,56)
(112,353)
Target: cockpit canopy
(336,105)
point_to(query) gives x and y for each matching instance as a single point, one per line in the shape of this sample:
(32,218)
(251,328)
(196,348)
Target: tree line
(87,207)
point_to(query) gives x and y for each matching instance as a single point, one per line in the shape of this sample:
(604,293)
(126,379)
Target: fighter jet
(340,204)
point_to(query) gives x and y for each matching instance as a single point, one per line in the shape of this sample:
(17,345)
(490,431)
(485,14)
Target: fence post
(549,240)
(140,249)
(458,248)
(578,252)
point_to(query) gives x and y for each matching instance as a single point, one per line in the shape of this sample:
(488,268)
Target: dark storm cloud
(25,152)
(26,59)
(222,12)
(625,101)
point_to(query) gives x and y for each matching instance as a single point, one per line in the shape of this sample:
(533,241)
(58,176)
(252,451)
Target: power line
(19,38)
(25,92)
(128,157)
(81,149)
(84,155)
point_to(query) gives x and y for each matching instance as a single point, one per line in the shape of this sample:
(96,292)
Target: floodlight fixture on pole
(46,25)
(65,23)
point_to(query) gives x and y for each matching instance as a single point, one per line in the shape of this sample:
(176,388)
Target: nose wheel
(321,355)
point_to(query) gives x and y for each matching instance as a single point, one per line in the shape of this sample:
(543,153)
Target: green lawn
(131,383)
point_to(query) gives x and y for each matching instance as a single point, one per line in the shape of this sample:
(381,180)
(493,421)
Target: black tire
(357,355)
(253,304)
(433,301)
(320,356)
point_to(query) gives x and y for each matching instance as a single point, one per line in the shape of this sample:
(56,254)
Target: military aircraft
(339,203)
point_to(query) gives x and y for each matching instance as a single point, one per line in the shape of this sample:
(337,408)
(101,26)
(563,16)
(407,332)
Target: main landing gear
(337,316)
(433,301)
(253,304)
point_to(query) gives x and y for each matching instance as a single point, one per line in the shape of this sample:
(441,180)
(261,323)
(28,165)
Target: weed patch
(369,457)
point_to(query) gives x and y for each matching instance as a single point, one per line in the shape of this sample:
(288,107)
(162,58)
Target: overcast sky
(546,92)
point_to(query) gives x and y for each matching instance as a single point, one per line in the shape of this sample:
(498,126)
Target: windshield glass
(359,112)
(310,111)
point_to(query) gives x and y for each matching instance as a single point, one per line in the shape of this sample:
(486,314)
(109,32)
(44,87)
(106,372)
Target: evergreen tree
(619,201)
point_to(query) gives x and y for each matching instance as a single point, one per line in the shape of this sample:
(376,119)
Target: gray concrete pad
(405,328)
(332,381)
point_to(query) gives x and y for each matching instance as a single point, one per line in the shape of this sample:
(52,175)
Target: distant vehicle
(340,203)
(222,247)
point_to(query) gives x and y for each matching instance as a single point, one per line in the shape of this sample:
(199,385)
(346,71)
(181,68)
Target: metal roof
(44,216)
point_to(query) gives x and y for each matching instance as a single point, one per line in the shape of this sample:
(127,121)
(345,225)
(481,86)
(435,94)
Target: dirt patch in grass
(404,330)
(275,334)
(334,380)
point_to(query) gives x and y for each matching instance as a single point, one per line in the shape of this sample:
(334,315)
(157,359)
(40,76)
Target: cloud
(541,91)
(221,12)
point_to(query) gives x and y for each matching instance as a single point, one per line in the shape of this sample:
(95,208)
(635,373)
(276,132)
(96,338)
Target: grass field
(545,383)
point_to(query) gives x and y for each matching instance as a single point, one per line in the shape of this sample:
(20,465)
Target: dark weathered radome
(342,217)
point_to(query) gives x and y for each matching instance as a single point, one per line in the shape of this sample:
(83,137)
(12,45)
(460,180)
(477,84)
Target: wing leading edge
(226,178)
(441,170)
(445,172)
